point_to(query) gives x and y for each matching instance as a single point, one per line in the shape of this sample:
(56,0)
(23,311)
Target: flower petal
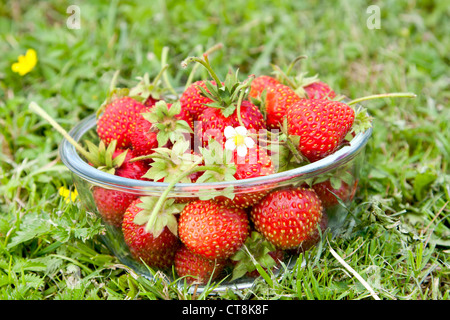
(229,132)
(249,142)
(230,145)
(242,150)
(241,130)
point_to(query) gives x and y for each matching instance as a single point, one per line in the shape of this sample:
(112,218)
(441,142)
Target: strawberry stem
(37,109)
(292,64)
(194,69)
(383,95)
(205,63)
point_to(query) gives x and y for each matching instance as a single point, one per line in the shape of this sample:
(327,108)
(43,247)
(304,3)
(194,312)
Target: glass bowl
(85,177)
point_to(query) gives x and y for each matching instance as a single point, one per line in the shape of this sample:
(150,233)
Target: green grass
(49,248)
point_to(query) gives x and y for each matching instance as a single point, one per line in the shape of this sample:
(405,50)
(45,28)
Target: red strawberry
(319,90)
(314,238)
(212,122)
(143,137)
(159,126)
(150,101)
(321,125)
(112,204)
(288,217)
(196,268)
(212,230)
(327,193)
(131,170)
(261,83)
(228,106)
(278,99)
(255,163)
(192,99)
(155,251)
(118,120)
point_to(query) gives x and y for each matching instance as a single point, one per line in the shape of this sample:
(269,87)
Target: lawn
(400,248)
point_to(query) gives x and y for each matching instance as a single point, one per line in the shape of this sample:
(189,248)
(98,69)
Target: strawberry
(118,120)
(196,268)
(319,90)
(261,83)
(255,163)
(143,137)
(193,101)
(321,126)
(157,126)
(228,106)
(278,99)
(314,238)
(212,230)
(329,192)
(123,106)
(287,217)
(157,248)
(112,204)
(212,122)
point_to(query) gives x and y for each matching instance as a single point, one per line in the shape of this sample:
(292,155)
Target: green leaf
(422,181)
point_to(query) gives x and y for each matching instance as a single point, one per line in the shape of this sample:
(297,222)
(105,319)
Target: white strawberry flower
(237,139)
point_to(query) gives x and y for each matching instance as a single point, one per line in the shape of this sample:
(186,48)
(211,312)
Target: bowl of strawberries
(221,180)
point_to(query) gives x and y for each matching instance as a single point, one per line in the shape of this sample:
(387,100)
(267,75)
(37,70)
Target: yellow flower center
(238,140)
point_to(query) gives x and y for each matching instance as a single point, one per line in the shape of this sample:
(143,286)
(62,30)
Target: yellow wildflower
(25,63)
(68,195)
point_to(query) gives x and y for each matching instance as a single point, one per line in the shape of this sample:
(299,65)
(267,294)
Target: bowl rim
(80,168)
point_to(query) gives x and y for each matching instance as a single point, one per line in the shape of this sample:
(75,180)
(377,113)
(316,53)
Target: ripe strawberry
(328,193)
(159,126)
(212,230)
(193,101)
(212,122)
(287,217)
(319,90)
(315,237)
(278,99)
(156,251)
(228,106)
(143,138)
(321,125)
(196,268)
(261,83)
(118,120)
(255,163)
(112,204)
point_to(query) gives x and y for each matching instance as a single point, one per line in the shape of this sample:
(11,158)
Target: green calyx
(140,92)
(176,165)
(296,82)
(146,88)
(168,163)
(254,255)
(166,216)
(101,157)
(164,121)
(226,95)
